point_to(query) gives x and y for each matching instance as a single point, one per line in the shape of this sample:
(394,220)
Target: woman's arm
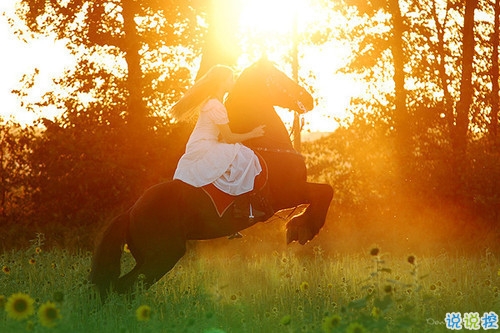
(230,137)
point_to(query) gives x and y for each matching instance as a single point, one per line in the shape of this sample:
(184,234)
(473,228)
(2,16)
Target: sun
(269,17)
(263,22)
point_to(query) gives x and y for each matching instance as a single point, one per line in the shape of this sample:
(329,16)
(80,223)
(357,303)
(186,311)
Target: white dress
(232,168)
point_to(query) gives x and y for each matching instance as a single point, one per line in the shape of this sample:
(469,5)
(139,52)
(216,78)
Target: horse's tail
(105,269)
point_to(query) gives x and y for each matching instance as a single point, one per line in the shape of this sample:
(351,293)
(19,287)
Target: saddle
(222,201)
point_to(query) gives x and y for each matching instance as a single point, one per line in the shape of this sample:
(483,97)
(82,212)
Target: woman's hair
(206,87)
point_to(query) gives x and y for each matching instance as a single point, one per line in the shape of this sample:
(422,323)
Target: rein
(278,150)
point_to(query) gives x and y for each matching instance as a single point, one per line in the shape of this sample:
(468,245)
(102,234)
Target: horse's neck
(276,135)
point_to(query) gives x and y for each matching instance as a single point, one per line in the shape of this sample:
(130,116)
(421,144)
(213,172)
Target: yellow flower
(330,323)
(32,261)
(38,250)
(356,328)
(143,313)
(126,248)
(304,286)
(6,270)
(19,306)
(49,314)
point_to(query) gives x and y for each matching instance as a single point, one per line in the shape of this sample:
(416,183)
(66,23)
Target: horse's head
(273,87)
(258,89)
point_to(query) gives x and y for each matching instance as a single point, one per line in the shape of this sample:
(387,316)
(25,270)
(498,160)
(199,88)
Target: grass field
(220,289)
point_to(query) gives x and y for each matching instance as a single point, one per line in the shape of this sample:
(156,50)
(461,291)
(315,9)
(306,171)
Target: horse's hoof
(291,235)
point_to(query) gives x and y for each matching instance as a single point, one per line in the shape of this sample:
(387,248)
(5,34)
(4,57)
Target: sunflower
(143,313)
(330,323)
(19,306)
(304,286)
(49,314)
(356,328)
(6,269)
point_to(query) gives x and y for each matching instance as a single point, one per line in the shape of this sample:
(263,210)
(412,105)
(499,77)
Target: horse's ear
(264,61)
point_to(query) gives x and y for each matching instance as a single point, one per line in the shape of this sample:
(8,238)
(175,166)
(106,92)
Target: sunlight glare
(264,16)
(265,21)
(272,27)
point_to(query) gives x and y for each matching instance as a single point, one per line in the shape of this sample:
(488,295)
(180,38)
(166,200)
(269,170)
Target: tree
(14,171)
(494,72)
(114,137)
(149,35)
(396,43)
(459,134)
(447,84)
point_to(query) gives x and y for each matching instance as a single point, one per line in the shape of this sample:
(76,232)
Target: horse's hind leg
(152,266)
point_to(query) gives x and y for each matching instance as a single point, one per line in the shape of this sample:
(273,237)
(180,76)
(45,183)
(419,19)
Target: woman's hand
(230,137)
(258,131)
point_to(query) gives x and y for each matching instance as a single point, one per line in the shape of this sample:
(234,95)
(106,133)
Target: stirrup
(265,208)
(245,210)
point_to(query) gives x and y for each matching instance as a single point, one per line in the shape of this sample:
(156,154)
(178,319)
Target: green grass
(213,290)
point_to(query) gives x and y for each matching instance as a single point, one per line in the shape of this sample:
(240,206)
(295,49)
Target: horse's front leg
(303,228)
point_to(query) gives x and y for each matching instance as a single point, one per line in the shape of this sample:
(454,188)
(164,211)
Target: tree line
(429,113)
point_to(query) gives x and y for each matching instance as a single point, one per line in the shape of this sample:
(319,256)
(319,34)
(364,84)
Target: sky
(19,58)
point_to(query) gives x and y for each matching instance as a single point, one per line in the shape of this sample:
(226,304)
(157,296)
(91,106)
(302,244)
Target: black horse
(158,225)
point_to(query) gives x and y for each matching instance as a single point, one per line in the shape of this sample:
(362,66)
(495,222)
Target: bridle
(271,81)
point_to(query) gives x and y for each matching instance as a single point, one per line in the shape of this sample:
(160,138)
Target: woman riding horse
(214,154)
(158,225)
